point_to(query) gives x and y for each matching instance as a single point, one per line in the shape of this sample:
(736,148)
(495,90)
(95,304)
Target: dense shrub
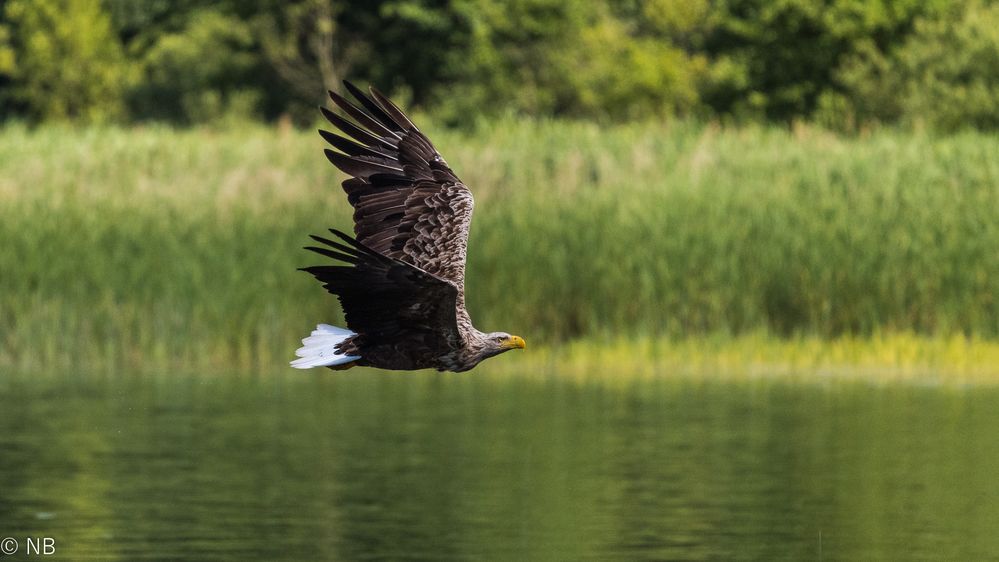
(61,60)
(946,75)
(840,62)
(199,73)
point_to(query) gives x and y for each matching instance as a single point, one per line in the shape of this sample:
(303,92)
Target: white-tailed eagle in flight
(401,278)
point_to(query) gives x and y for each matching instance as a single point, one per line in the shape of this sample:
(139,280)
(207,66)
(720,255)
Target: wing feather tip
(333,156)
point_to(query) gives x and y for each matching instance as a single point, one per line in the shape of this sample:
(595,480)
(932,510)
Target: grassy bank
(165,247)
(875,359)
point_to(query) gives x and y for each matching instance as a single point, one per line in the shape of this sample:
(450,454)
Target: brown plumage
(401,281)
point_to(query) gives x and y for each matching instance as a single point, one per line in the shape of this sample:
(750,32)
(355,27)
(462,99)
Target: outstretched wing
(389,303)
(408,204)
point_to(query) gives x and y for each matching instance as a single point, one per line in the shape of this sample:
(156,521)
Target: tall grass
(173,248)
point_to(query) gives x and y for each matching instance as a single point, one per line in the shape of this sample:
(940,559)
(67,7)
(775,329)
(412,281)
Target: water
(321,466)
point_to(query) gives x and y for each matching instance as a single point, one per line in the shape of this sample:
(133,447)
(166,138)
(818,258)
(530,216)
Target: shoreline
(884,359)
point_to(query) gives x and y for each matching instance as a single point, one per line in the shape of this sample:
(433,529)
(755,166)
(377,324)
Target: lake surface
(355,466)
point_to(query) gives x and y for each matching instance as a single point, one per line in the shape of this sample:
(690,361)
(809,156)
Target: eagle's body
(402,279)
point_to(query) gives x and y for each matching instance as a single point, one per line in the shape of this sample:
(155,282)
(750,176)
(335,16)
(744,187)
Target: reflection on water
(347,467)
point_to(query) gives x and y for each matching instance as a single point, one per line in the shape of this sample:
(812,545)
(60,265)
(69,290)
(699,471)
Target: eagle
(401,278)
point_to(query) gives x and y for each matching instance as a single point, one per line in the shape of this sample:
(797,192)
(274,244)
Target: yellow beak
(514,342)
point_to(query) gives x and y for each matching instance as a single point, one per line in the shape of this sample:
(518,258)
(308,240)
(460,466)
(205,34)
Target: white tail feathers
(319,349)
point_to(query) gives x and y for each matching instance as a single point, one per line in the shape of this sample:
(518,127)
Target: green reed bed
(153,246)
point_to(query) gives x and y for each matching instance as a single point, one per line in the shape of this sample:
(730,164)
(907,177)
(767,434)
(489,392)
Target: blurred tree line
(842,63)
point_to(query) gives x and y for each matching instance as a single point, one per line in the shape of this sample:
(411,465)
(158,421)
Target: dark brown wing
(408,204)
(389,303)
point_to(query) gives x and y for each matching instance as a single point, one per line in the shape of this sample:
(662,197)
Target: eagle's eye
(499,338)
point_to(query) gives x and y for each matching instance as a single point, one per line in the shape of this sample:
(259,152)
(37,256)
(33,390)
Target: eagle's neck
(474,349)
(465,329)
(473,346)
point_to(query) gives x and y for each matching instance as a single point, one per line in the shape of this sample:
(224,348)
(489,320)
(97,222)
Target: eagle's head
(480,346)
(497,342)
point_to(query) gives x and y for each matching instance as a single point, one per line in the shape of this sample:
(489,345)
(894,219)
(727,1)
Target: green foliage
(6,52)
(63,60)
(199,73)
(943,76)
(547,57)
(167,245)
(507,62)
(619,76)
(838,62)
(786,52)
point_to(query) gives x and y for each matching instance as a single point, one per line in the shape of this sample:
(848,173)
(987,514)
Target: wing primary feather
(346,237)
(356,132)
(392,110)
(363,118)
(337,245)
(345,249)
(373,108)
(334,255)
(352,148)
(358,250)
(360,247)
(360,168)
(389,180)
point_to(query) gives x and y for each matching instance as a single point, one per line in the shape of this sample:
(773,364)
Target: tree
(201,72)
(308,48)
(789,50)
(63,60)
(577,59)
(946,75)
